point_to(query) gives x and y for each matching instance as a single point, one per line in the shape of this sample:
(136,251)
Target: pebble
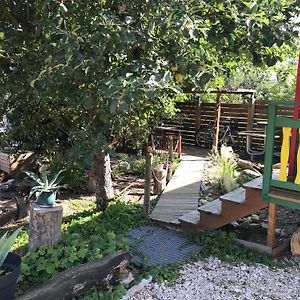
(213,279)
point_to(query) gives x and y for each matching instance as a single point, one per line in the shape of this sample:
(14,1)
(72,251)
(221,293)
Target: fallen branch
(245,164)
(100,274)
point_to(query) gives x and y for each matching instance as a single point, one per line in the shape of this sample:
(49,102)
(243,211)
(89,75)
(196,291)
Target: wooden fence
(196,114)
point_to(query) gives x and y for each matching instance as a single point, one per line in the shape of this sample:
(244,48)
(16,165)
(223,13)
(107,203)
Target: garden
(84,87)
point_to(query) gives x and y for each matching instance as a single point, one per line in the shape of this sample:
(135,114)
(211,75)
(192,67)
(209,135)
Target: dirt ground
(130,187)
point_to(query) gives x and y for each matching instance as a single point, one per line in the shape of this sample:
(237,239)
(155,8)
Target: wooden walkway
(182,193)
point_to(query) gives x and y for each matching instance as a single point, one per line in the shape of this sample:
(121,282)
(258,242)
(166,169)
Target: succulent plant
(6,243)
(43,184)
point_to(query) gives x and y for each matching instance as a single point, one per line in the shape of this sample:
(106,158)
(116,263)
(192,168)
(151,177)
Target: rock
(8,186)
(255,218)
(235,224)
(203,201)
(277,231)
(245,225)
(283,233)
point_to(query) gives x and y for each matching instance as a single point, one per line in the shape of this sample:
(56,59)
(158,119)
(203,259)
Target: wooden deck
(182,193)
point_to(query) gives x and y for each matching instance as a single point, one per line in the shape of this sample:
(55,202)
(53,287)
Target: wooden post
(251,112)
(217,129)
(198,116)
(179,145)
(147,188)
(44,225)
(169,172)
(271,224)
(170,147)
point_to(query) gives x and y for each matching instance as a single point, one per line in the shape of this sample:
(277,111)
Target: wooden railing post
(170,147)
(147,188)
(179,148)
(217,128)
(271,225)
(251,113)
(198,115)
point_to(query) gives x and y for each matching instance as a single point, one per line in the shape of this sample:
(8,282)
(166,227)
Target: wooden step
(236,196)
(191,218)
(254,184)
(213,207)
(285,195)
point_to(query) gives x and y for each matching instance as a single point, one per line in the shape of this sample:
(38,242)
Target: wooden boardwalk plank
(182,193)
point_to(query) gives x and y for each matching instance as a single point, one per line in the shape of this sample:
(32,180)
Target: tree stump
(160,176)
(44,225)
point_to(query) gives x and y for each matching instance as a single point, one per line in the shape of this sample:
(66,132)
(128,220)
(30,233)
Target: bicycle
(228,136)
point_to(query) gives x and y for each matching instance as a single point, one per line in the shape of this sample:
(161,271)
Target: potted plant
(10,266)
(45,190)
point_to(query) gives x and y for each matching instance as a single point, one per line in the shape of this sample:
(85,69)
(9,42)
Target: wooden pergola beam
(222,91)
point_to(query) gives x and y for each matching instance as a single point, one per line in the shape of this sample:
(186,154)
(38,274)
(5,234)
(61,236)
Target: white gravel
(214,279)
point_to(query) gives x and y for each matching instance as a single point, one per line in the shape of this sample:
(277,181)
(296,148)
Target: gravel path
(213,279)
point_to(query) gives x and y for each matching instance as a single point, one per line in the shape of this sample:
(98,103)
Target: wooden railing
(282,188)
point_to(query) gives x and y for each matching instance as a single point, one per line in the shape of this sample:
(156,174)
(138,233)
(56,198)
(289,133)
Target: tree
(88,72)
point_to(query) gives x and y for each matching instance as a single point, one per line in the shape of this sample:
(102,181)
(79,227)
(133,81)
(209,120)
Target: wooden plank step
(285,195)
(192,217)
(237,196)
(213,207)
(254,184)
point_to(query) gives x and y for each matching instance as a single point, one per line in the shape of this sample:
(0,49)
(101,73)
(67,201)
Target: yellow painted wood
(284,155)
(297,179)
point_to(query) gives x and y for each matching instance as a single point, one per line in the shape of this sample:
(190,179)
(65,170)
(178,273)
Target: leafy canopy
(82,75)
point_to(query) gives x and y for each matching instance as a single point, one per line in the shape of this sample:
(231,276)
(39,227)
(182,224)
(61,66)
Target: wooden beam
(217,91)
(271,225)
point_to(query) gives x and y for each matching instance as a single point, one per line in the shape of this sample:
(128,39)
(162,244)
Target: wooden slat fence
(194,114)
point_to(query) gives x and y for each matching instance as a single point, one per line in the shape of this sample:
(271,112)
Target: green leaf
(56,179)
(35,177)
(6,243)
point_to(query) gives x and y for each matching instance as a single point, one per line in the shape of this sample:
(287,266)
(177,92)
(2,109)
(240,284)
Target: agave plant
(6,243)
(43,184)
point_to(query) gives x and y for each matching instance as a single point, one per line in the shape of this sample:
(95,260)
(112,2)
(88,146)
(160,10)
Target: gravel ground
(213,279)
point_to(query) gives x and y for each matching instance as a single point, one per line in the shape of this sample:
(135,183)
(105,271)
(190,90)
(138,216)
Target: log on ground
(100,274)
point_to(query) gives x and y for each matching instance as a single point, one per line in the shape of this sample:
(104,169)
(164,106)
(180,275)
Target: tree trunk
(102,172)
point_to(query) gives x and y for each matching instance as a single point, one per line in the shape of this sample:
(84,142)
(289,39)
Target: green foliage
(102,70)
(86,236)
(114,294)
(137,164)
(223,170)
(222,245)
(75,176)
(162,274)
(43,184)
(276,83)
(6,243)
